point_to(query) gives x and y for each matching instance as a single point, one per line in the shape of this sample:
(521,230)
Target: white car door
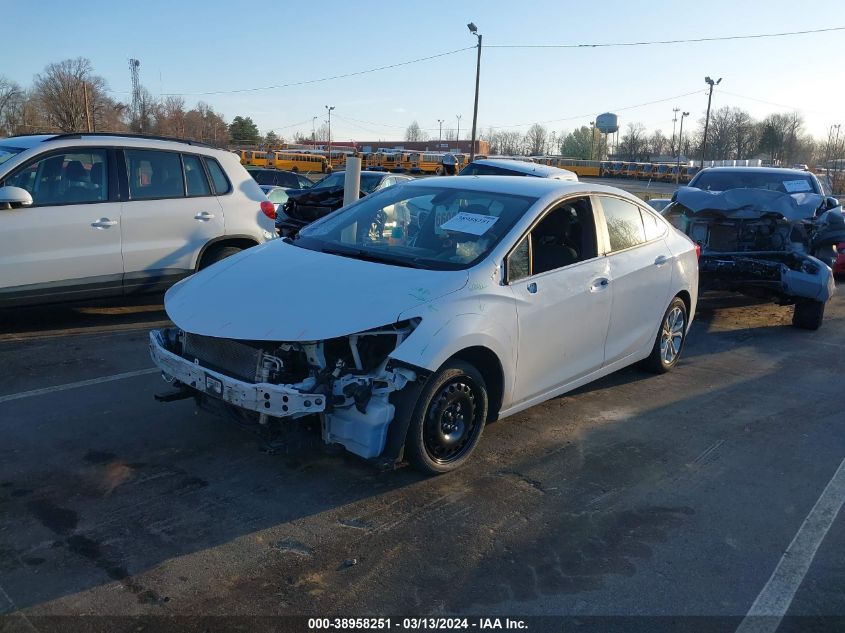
(169,217)
(68,242)
(640,273)
(563,300)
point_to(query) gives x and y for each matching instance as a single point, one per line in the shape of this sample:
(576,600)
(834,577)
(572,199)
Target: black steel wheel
(448,420)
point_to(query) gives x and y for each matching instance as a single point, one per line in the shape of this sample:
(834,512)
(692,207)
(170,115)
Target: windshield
(7,152)
(773,181)
(420,227)
(332,180)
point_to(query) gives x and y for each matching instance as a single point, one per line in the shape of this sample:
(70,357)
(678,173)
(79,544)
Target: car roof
(518,185)
(108,138)
(525,167)
(756,170)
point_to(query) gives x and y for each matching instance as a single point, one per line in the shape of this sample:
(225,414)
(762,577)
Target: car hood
(745,204)
(281,292)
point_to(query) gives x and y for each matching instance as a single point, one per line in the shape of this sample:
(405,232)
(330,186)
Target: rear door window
(624,223)
(195,177)
(154,174)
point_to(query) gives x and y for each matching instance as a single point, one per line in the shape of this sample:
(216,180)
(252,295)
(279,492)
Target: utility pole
(440,135)
(134,71)
(87,109)
(592,137)
(313,132)
(458,136)
(711,83)
(474,30)
(674,122)
(680,144)
(330,134)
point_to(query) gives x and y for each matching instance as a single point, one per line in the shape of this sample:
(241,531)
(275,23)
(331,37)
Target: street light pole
(440,135)
(711,83)
(329,157)
(474,30)
(680,146)
(674,123)
(592,137)
(313,132)
(458,138)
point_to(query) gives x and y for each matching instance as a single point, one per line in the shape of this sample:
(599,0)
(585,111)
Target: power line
(581,116)
(779,105)
(662,42)
(321,79)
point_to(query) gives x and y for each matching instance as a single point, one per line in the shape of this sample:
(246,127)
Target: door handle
(601,283)
(204,216)
(103,223)
(532,288)
(661,259)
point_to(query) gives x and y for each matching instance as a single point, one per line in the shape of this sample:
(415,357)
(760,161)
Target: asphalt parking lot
(664,495)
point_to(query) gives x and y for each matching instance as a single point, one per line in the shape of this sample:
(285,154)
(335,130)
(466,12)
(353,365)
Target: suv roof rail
(128,135)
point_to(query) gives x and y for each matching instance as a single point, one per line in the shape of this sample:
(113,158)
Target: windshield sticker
(792,186)
(471,223)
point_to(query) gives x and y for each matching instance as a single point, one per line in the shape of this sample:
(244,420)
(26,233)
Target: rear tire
(808,314)
(448,419)
(218,255)
(670,338)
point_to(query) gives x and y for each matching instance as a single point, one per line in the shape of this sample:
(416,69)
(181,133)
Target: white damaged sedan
(398,326)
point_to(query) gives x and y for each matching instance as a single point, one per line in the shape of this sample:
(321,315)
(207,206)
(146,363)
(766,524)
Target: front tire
(808,314)
(670,338)
(448,419)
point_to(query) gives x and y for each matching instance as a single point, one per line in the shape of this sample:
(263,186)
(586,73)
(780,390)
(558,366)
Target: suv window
(624,223)
(195,177)
(221,183)
(77,177)
(154,174)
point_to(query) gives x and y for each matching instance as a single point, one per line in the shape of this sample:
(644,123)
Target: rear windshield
(7,152)
(476,169)
(773,181)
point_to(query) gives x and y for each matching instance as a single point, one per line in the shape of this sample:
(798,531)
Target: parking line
(774,600)
(76,385)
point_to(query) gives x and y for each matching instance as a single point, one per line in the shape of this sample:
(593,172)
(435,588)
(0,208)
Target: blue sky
(187,46)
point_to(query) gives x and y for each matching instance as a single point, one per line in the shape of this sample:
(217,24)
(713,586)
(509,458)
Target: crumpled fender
(467,318)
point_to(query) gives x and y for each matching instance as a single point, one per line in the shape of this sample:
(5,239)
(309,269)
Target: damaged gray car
(769,233)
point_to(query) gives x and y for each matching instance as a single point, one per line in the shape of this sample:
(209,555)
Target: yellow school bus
(580,167)
(255,159)
(425,162)
(645,171)
(295,161)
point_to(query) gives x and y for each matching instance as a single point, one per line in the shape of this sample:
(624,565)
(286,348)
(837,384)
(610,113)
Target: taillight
(268,209)
(698,251)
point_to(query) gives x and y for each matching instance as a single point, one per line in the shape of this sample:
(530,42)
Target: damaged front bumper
(353,404)
(784,276)
(274,400)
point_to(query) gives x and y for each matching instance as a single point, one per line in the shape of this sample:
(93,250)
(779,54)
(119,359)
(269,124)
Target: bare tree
(658,144)
(535,139)
(11,96)
(61,90)
(414,133)
(633,142)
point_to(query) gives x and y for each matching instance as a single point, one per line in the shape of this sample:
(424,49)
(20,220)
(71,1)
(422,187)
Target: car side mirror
(830,202)
(14,197)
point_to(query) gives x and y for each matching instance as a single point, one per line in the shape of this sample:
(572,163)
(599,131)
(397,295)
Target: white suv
(94,215)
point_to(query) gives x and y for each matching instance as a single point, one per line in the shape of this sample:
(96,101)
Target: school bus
(580,167)
(389,161)
(645,171)
(615,169)
(254,159)
(295,161)
(687,172)
(425,162)
(662,172)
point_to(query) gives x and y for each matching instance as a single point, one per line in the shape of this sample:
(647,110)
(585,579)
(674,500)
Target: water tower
(608,123)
